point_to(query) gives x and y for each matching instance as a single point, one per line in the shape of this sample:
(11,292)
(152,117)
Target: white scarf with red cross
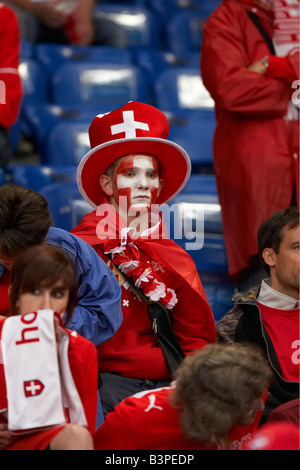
(40,388)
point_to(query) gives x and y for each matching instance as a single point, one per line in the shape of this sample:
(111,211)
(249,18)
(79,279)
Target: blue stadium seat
(181,88)
(37,177)
(53,56)
(138,23)
(42,118)
(66,205)
(2,177)
(26,50)
(194,132)
(184,31)
(156,61)
(35,82)
(68,142)
(92,83)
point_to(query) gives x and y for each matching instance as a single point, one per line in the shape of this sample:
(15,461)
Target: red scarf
(109,227)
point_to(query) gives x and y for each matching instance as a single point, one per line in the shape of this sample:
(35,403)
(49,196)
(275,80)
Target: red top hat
(134,128)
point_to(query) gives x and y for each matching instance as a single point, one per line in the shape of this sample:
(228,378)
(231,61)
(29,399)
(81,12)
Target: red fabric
(253,145)
(4,286)
(280,67)
(133,351)
(9,60)
(136,425)
(283,329)
(276,436)
(84,368)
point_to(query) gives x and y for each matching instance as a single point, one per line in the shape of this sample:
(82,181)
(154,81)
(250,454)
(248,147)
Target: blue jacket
(98,314)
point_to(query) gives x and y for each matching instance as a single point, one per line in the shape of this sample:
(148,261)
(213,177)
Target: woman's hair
(42,266)
(216,388)
(24,219)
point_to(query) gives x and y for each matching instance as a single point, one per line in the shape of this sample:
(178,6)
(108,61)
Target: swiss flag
(33,388)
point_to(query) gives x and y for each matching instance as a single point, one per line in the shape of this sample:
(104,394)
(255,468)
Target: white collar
(274,299)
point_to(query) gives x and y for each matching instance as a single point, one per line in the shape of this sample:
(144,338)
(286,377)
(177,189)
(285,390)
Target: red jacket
(10,81)
(254,146)
(134,351)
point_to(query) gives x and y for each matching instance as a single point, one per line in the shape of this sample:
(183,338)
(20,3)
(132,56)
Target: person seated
(130,171)
(215,402)
(44,288)
(268,314)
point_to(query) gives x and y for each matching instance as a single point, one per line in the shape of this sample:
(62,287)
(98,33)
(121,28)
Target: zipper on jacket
(154,326)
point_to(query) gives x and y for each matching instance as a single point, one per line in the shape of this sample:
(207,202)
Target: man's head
(278,245)
(220,387)
(136,129)
(24,221)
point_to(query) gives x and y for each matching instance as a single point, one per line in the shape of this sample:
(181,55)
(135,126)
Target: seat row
(175,25)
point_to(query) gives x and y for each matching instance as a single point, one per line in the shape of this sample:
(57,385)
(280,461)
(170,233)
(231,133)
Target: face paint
(136,177)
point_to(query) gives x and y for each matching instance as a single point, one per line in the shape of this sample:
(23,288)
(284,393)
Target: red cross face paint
(136,177)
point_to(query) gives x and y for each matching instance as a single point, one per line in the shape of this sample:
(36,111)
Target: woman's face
(55,298)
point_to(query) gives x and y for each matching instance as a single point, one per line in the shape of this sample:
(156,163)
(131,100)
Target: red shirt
(283,329)
(147,421)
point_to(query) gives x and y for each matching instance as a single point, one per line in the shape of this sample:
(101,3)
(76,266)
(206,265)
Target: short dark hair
(42,266)
(24,219)
(271,231)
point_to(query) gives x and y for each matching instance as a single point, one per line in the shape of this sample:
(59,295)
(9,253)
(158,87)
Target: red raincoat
(10,81)
(255,147)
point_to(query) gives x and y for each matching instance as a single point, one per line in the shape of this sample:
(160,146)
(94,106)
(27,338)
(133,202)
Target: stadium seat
(138,23)
(184,31)
(91,83)
(2,177)
(35,90)
(53,56)
(37,177)
(26,50)
(67,143)
(42,118)
(66,205)
(181,88)
(35,82)
(194,132)
(168,8)
(156,61)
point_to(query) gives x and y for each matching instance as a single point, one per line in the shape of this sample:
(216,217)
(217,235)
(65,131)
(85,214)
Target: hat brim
(175,166)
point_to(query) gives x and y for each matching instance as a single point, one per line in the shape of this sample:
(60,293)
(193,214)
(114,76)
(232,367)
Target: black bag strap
(254,18)
(162,327)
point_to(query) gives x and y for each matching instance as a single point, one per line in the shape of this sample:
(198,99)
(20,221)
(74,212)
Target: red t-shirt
(283,329)
(147,421)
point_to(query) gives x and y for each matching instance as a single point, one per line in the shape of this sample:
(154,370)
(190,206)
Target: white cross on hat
(129,125)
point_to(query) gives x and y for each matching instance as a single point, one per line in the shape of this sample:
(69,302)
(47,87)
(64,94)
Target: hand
(258,67)
(49,14)
(6,436)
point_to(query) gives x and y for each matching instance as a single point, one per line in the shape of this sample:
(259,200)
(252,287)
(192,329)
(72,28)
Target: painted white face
(136,177)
